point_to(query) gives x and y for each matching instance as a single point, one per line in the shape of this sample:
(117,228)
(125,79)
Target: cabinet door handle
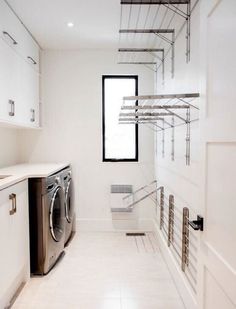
(12,197)
(32,119)
(12,112)
(197,224)
(33,61)
(7,34)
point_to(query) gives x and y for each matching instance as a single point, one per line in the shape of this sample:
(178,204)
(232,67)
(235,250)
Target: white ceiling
(96,22)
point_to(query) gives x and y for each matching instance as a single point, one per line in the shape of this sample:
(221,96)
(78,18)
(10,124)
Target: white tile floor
(105,271)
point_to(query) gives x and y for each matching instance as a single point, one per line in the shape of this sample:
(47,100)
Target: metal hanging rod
(134,115)
(141,50)
(146,64)
(176,115)
(146,31)
(170,5)
(180,124)
(189,104)
(139,119)
(176,10)
(132,107)
(148,194)
(145,114)
(152,51)
(140,189)
(149,114)
(138,122)
(139,62)
(161,96)
(144,121)
(153,2)
(158,32)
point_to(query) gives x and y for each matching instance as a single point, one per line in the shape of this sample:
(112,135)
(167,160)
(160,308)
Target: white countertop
(19,172)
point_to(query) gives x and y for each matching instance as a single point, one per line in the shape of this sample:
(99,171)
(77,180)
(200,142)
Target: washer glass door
(56,218)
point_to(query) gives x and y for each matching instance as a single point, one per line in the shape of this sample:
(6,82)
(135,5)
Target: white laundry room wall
(71,94)
(207,186)
(178,179)
(10,151)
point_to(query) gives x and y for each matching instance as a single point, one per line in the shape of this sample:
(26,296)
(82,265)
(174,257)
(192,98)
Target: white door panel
(220,200)
(215,297)
(217,271)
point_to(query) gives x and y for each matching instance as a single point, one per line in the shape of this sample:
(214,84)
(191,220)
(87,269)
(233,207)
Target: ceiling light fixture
(70,24)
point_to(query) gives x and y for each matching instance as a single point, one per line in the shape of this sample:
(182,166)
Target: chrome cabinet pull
(12,197)
(12,112)
(32,119)
(32,60)
(7,34)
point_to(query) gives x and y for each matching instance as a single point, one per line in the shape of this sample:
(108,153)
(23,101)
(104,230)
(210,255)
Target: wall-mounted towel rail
(180,238)
(146,191)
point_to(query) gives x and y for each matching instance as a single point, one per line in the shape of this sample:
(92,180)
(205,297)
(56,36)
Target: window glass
(119,140)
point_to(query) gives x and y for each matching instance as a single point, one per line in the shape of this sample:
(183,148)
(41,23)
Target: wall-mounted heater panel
(117,201)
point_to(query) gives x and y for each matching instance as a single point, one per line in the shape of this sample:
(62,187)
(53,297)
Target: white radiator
(117,193)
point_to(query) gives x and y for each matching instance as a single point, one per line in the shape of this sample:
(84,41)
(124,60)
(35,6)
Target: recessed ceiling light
(70,24)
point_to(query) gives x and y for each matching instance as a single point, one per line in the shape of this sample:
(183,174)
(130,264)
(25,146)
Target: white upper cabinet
(8,83)
(16,36)
(28,95)
(19,74)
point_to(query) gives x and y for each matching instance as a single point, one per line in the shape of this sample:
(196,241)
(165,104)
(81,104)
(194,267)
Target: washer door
(56,219)
(69,206)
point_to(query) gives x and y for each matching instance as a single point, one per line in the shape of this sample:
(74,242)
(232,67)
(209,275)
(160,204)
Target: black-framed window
(120,141)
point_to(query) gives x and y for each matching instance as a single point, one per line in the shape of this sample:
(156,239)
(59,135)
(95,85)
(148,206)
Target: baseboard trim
(184,290)
(109,225)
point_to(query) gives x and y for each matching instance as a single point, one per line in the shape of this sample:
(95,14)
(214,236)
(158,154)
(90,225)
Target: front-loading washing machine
(69,204)
(47,222)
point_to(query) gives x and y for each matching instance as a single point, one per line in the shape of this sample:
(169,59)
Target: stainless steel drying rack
(162,34)
(153,51)
(147,191)
(176,228)
(165,109)
(167,34)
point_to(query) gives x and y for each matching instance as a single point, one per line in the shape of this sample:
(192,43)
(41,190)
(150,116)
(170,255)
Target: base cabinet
(14,241)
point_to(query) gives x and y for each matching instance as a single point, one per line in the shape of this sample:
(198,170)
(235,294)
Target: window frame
(104,159)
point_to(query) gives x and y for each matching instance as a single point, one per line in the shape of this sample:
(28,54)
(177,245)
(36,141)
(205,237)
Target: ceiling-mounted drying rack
(170,109)
(159,33)
(167,34)
(153,51)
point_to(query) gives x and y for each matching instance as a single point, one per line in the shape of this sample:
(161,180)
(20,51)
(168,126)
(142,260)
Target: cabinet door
(5,231)
(19,89)
(10,27)
(31,51)
(8,76)
(19,229)
(28,95)
(14,240)
(17,37)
